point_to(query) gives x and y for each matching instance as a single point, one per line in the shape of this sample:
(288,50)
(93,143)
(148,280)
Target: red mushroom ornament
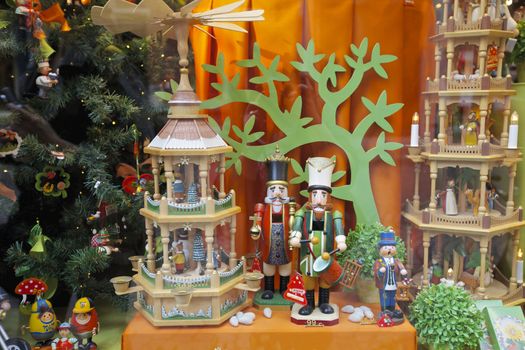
(30,286)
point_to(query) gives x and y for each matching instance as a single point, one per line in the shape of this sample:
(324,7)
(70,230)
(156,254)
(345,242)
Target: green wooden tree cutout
(298,130)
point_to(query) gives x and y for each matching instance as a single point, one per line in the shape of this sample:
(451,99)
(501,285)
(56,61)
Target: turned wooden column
(426,136)
(510,201)
(150,257)
(155,171)
(209,247)
(426,246)
(222,170)
(515,247)
(233,231)
(483,244)
(165,234)
(437,59)
(483,113)
(483,178)
(415,200)
(168,172)
(433,177)
(442,117)
(203,176)
(505,132)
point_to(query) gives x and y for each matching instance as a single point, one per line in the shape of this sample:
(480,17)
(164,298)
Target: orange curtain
(401,27)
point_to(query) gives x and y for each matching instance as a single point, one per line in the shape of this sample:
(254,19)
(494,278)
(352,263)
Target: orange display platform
(276,333)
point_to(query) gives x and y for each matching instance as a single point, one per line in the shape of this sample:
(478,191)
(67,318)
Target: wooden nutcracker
(272,225)
(318,232)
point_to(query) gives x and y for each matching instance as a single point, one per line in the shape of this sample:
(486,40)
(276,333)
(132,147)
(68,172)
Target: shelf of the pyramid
(190,156)
(469,77)
(465,106)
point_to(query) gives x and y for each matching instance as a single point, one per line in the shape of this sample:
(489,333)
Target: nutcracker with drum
(271,232)
(318,232)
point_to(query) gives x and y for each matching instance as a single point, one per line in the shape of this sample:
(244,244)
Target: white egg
(234,321)
(347,309)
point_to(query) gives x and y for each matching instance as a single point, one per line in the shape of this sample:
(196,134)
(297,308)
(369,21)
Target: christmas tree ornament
(52,181)
(131,185)
(37,240)
(102,241)
(46,80)
(10,143)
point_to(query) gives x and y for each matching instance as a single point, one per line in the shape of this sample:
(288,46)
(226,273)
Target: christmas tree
(80,139)
(199,254)
(193,196)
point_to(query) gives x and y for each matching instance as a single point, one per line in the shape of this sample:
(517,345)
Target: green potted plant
(517,56)
(362,245)
(446,318)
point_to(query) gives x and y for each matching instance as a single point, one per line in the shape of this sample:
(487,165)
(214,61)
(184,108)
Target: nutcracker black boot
(308,308)
(324,301)
(268,287)
(283,284)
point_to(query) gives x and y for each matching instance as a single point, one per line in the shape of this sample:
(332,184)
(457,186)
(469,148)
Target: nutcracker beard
(319,209)
(277,203)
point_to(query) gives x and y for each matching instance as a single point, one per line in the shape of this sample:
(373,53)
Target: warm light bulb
(415,118)
(520,254)
(450,272)
(514,118)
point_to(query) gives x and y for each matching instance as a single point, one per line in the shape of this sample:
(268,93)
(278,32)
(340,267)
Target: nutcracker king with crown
(319,233)
(273,225)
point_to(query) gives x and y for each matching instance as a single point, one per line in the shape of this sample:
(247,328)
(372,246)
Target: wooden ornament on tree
(52,181)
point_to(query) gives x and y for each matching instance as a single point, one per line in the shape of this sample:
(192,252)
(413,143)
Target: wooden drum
(329,270)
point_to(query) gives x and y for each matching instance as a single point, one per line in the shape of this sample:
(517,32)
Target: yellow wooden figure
(471,129)
(42,322)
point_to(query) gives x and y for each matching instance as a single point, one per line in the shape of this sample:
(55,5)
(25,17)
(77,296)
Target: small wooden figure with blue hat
(387,272)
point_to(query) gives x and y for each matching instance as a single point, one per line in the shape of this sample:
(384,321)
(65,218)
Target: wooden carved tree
(298,130)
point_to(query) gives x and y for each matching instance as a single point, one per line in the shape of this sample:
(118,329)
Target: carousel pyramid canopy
(187,134)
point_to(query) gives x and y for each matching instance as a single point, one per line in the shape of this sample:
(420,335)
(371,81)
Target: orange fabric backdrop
(401,29)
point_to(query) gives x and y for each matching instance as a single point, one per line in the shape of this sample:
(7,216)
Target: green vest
(304,223)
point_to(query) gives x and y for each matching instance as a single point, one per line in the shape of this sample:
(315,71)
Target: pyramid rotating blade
(219,10)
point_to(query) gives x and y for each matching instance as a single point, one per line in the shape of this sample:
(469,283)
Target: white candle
(513,131)
(519,268)
(414,131)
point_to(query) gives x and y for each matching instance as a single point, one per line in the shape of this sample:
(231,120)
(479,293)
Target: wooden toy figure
(66,340)
(316,230)
(46,80)
(274,217)
(42,322)
(451,206)
(387,272)
(178,257)
(84,322)
(471,134)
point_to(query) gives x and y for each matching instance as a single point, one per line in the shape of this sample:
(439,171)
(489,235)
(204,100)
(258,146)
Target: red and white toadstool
(30,286)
